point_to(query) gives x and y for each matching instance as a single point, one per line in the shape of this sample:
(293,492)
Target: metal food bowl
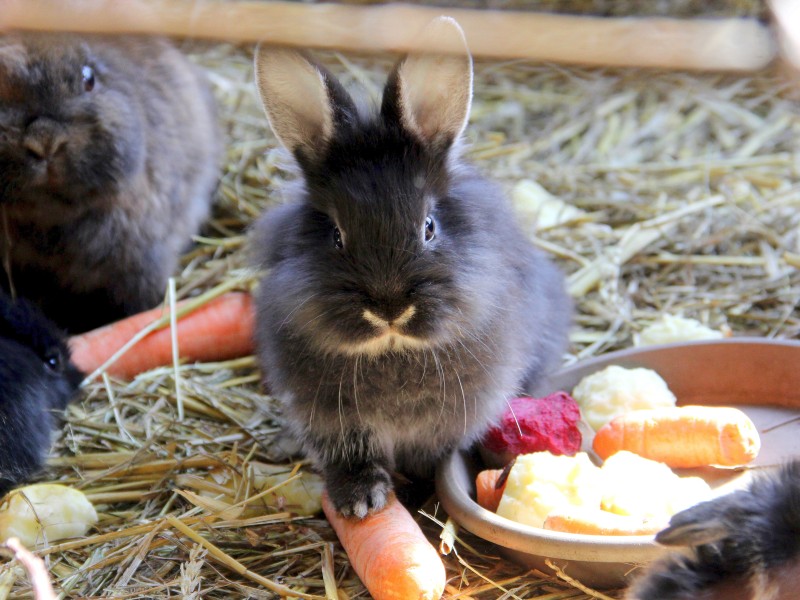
(759,376)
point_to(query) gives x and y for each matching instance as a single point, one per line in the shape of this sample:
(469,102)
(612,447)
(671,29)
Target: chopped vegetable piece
(616,390)
(535,425)
(44,513)
(686,436)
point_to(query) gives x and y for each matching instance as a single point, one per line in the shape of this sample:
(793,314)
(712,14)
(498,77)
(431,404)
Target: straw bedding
(688,187)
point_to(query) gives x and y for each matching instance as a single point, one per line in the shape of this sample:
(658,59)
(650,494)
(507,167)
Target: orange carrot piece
(219,330)
(487,493)
(600,522)
(390,554)
(682,437)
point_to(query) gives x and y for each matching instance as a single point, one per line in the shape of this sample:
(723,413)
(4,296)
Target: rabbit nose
(44,138)
(390,314)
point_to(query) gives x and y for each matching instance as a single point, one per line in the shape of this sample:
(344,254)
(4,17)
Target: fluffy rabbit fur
(403,305)
(109,156)
(37,380)
(744,546)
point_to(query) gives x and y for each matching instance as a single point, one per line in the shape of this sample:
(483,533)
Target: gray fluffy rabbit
(403,306)
(109,157)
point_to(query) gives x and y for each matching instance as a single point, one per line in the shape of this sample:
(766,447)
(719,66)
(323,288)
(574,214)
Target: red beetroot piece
(537,424)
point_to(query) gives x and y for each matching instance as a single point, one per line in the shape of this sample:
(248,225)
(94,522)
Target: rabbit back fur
(109,155)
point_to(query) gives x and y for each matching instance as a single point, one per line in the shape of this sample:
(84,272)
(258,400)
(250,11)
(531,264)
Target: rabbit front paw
(358,493)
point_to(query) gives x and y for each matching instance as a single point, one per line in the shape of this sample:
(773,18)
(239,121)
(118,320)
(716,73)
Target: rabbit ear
(304,102)
(431,93)
(693,534)
(703,523)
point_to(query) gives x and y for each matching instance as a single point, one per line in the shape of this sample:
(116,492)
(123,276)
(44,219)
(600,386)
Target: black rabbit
(109,152)
(403,305)
(744,546)
(37,380)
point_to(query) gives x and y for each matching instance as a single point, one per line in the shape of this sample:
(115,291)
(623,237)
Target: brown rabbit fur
(109,156)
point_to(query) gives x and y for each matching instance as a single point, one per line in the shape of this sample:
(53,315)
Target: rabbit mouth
(385,342)
(389,335)
(46,175)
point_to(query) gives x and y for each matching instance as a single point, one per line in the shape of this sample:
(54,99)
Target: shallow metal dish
(759,376)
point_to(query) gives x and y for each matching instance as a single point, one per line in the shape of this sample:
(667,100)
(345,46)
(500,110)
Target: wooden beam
(787,23)
(697,44)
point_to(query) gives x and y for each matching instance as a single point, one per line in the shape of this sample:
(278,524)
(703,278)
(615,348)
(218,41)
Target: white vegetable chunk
(43,513)
(671,328)
(616,390)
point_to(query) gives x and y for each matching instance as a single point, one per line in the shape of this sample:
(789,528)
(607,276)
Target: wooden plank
(698,44)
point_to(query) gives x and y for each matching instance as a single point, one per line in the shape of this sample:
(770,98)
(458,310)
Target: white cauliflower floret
(541,481)
(616,390)
(671,328)
(640,487)
(45,512)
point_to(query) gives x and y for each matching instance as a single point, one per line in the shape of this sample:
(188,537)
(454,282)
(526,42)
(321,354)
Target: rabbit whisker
(356,365)
(295,309)
(442,385)
(477,360)
(339,408)
(325,370)
(463,399)
(319,316)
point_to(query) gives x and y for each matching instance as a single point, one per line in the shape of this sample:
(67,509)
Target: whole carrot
(390,553)
(682,437)
(221,329)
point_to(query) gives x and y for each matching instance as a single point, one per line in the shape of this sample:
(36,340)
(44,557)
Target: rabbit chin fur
(109,156)
(743,546)
(402,305)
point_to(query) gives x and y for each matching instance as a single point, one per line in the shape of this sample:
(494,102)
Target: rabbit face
(109,153)
(44,344)
(37,380)
(66,135)
(382,240)
(378,233)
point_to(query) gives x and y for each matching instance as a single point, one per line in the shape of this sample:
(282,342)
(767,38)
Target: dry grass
(702,168)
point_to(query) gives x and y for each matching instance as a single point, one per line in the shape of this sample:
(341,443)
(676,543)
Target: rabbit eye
(430,229)
(88,78)
(337,238)
(53,360)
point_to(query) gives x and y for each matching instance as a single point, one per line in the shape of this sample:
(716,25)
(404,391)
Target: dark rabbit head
(37,380)
(109,157)
(69,123)
(390,237)
(743,546)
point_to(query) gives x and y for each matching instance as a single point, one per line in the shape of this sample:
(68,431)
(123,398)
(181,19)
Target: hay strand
(235,565)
